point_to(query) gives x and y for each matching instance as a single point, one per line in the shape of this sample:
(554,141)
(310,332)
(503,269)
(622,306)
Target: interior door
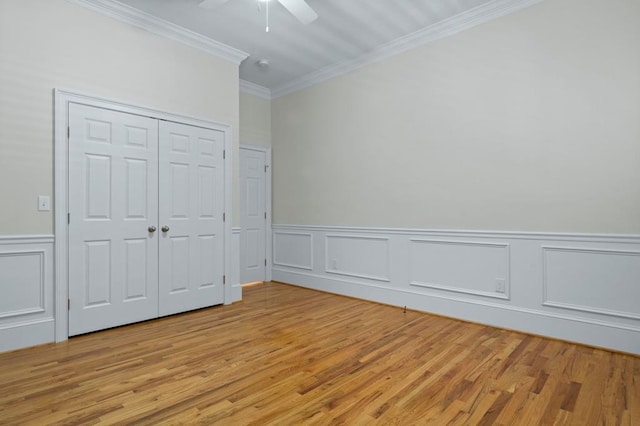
(191,217)
(253,217)
(113,211)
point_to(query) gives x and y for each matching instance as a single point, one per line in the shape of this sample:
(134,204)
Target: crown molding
(445,28)
(137,18)
(255,90)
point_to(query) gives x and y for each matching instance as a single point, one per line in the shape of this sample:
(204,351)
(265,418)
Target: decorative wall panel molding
(137,18)
(600,281)
(293,250)
(358,256)
(455,24)
(576,287)
(461,266)
(26,280)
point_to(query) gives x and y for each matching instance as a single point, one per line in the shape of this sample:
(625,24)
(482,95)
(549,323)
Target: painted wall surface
(529,122)
(255,120)
(47,44)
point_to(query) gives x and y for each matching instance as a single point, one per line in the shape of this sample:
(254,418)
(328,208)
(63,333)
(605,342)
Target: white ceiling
(347,31)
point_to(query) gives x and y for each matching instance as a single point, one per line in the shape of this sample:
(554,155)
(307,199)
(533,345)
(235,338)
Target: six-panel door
(145,226)
(113,258)
(191,209)
(252,216)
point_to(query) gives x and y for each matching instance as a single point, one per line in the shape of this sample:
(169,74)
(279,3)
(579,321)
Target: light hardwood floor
(288,355)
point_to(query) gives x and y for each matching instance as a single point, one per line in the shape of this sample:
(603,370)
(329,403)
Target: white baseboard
(575,287)
(26,280)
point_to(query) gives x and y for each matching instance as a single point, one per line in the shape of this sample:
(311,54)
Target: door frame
(267,198)
(62,98)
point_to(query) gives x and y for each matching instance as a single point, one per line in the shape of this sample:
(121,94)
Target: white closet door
(253,218)
(191,224)
(113,202)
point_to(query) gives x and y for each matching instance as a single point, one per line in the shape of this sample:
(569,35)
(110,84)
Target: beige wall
(255,120)
(530,123)
(47,44)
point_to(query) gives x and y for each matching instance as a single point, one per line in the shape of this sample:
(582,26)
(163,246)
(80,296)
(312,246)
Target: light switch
(44,203)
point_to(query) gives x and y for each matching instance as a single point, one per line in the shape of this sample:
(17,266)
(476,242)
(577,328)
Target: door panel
(252,216)
(113,258)
(192,204)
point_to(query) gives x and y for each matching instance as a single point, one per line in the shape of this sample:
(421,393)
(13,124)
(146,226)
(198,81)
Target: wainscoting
(26,283)
(575,287)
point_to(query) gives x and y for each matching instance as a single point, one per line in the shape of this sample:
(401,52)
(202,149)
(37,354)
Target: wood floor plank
(288,355)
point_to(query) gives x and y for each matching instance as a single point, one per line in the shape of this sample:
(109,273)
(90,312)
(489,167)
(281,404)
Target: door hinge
(265,215)
(68,218)
(224,154)
(224,217)
(68,304)
(224,279)
(265,262)
(68,132)
(265,168)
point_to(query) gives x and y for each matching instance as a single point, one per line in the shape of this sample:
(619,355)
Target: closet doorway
(145,232)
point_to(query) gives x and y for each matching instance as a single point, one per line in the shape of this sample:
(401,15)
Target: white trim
(591,309)
(593,332)
(26,239)
(62,98)
(461,233)
(268,203)
(33,324)
(458,23)
(291,265)
(453,298)
(255,90)
(43,280)
(526,306)
(328,270)
(132,16)
(507,289)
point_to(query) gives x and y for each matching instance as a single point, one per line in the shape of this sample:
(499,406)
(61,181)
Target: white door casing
(113,258)
(254,214)
(191,217)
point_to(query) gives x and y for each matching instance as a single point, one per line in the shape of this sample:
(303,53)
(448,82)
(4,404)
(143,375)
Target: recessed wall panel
(179,264)
(253,197)
(136,189)
(136,136)
(293,249)
(460,266)
(358,256)
(207,147)
(253,248)
(207,189)
(97,273)
(136,268)
(98,186)
(179,190)
(592,280)
(22,283)
(207,256)
(179,143)
(98,131)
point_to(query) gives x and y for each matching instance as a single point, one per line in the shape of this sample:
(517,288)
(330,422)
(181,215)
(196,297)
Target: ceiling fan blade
(301,10)
(211,4)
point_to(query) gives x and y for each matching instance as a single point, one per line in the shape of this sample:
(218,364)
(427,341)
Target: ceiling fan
(298,8)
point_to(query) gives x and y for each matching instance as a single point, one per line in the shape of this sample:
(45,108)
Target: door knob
(152,229)
(165,228)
